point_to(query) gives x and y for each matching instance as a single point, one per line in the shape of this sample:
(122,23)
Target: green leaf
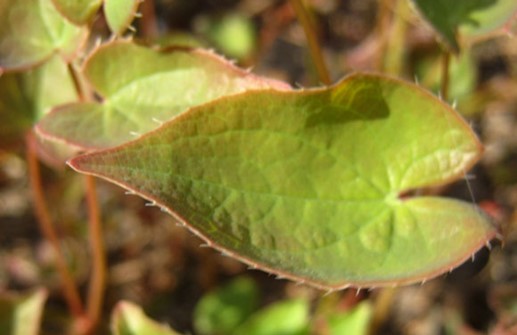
(26,96)
(470,16)
(21,314)
(78,11)
(33,30)
(289,317)
(353,322)
(233,34)
(490,18)
(120,14)
(221,311)
(462,74)
(141,88)
(307,184)
(129,319)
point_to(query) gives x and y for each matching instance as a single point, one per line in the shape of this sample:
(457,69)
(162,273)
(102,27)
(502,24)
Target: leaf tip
(78,164)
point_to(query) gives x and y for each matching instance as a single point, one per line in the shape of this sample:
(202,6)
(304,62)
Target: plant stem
(98,276)
(77,83)
(314,47)
(382,27)
(394,54)
(381,309)
(444,89)
(147,23)
(98,273)
(70,290)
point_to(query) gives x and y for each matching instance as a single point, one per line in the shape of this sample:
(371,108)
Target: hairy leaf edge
(44,134)
(75,163)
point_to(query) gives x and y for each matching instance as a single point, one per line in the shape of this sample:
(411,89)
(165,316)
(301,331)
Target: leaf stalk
(98,277)
(70,291)
(315,49)
(444,88)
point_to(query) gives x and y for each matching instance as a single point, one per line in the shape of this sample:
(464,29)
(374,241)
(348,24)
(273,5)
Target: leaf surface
(355,321)
(33,30)
(233,34)
(129,319)
(472,17)
(119,14)
(26,96)
(21,314)
(141,88)
(307,184)
(290,317)
(78,11)
(222,310)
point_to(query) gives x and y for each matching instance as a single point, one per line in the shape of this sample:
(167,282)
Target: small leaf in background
(462,75)
(120,14)
(33,30)
(129,319)
(26,96)
(490,18)
(78,11)
(352,322)
(21,314)
(290,317)
(471,16)
(142,87)
(233,34)
(221,311)
(307,184)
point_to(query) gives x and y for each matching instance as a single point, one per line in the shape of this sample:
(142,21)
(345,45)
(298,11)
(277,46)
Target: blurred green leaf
(26,96)
(129,319)
(78,11)
(120,14)
(353,322)
(289,317)
(221,311)
(233,34)
(462,74)
(21,314)
(307,184)
(490,18)
(33,30)
(471,16)
(143,87)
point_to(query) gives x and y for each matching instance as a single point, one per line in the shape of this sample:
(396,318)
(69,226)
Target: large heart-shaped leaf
(33,30)
(27,96)
(469,16)
(307,184)
(21,314)
(78,11)
(141,88)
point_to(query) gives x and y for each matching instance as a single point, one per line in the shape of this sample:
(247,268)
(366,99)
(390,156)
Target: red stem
(98,276)
(70,290)
(148,26)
